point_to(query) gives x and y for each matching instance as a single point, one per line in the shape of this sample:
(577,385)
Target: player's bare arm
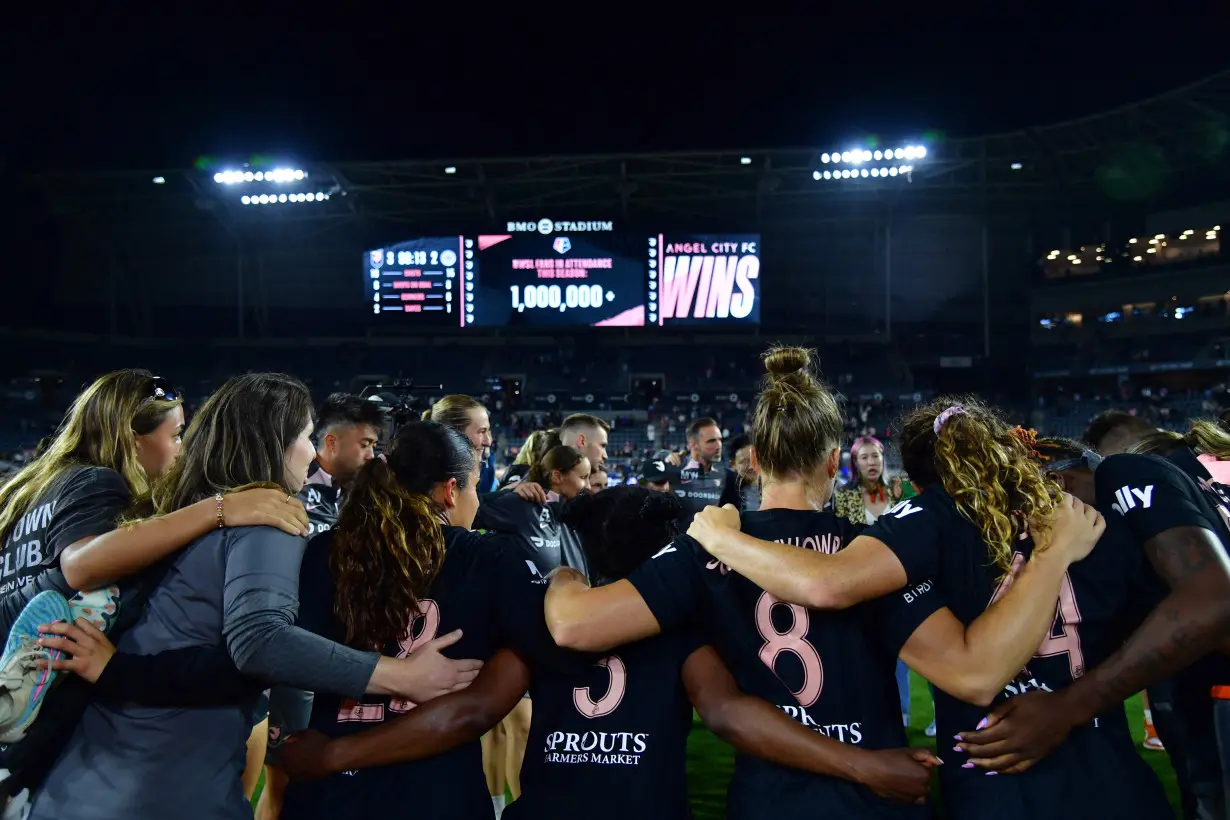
(434,728)
(596,619)
(1188,624)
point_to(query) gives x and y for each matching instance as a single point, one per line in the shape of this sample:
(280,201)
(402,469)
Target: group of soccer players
(1035,582)
(780,627)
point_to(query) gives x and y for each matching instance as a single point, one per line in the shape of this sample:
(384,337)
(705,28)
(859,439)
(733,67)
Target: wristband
(221,519)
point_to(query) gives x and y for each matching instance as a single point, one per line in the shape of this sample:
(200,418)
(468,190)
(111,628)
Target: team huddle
(163,597)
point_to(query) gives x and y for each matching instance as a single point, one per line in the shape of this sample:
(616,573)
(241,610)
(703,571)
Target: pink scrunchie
(942,418)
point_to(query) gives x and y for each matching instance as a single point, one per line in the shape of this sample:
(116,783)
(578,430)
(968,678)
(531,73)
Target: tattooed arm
(1189,623)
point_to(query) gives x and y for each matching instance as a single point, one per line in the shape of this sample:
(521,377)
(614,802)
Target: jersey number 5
(422,629)
(609,702)
(1066,623)
(793,641)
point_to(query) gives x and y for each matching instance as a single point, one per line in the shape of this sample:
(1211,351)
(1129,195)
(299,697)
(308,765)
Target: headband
(942,418)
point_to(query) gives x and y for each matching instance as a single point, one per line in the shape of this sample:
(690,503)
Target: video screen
(568,274)
(595,280)
(421,278)
(707,279)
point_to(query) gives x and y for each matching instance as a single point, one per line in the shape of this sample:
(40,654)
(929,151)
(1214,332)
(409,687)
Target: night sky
(520,89)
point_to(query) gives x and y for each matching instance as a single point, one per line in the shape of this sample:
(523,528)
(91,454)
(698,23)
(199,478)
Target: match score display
(568,274)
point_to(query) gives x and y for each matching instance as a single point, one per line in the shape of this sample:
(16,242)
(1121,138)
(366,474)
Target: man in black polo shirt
(703,482)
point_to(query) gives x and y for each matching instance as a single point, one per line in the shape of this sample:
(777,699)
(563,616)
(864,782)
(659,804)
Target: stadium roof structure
(1167,147)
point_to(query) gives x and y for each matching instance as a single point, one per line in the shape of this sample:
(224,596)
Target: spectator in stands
(869,493)
(468,416)
(588,434)
(347,430)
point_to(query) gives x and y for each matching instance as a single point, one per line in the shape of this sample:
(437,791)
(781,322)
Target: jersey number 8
(793,641)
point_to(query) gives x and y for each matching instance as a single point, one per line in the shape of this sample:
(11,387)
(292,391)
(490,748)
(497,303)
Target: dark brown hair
(388,545)
(562,458)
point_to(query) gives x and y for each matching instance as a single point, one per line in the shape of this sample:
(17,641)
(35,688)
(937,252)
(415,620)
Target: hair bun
(660,507)
(786,361)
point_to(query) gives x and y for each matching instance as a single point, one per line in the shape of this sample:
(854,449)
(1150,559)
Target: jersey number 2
(1066,623)
(793,641)
(422,629)
(609,702)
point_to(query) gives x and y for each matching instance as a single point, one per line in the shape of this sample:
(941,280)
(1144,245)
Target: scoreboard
(567,274)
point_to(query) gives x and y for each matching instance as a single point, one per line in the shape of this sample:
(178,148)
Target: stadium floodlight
(452,169)
(279,199)
(745,160)
(274,175)
(859,157)
(160,180)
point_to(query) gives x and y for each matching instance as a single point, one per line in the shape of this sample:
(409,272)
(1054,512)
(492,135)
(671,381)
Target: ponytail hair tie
(942,418)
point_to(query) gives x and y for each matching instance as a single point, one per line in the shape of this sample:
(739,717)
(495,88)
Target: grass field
(710,761)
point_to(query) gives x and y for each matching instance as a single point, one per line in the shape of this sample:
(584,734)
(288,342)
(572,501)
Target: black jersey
(513,476)
(827,670)
(1102,599)
(1150,495)
(468,594)
(608,735)
(536,527)
(322,500)
(80,502)
(698,488)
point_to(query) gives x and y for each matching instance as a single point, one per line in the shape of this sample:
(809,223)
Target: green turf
(710,761)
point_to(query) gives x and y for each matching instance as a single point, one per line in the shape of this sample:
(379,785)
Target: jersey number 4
(422,629)
(1063,638)
(793,641)
(609,702)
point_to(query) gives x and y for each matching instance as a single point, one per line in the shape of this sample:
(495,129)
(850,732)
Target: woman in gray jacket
(238,586)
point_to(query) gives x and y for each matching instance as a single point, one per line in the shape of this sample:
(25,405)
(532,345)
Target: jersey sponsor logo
(603,748)
(1128,498)
(904,510)
(917,591)
(544,543)
(851,733)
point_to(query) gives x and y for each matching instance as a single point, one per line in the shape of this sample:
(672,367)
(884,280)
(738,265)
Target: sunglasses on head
(160,388)
(1088,459)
